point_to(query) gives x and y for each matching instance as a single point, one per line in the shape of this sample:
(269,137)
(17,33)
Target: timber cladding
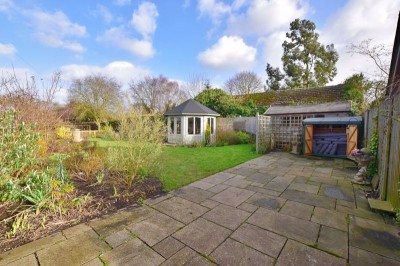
(300,96)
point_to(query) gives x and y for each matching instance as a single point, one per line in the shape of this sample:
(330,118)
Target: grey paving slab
(237,182)
(66,252)
(227,216)
(244,171)
(295,253)
(247,207)
(267,202)
(337,192)
(155,228)
(29,260)
(330,218)
(288,226)
(202,185)
(360,257)
(324,180)
(296,209)
(202,235)
(277,186)
(76,230)
(345,203)
(108,225)
(186,256)
(309,199)
(193,194)
(233,196)
(133,252)
(168,247)
(264,191)
(260,178)
(116,239)
(154,200)
(333,241)
(218,178)
(218,188)
(94,262)
(262,240)
(232,252)
(211,204)
(304,187)
(359,212)
(180,209)
(22,251)
(300,179)
(375,237)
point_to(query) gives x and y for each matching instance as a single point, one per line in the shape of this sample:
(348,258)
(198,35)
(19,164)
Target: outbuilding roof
(191,107)
(330,107)
(347,120)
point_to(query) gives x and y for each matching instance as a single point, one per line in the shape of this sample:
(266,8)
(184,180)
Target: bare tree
(156,93)
(195,84)
(380,55)
(245,82)
(33,104)
(95,98)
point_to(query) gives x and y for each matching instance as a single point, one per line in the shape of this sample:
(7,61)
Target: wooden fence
(386,120)
(247,124)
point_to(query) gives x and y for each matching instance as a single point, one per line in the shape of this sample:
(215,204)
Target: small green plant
(373,146)
(207,135)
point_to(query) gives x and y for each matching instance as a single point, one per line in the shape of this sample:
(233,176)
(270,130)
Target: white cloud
(230,52)
(7,49)
(214,9)
(56,30)
(104,13)
(5,4)
(359,20)
(119,37)
(122,71)
(122,2)
(272,48)
(144,19)
(265,16)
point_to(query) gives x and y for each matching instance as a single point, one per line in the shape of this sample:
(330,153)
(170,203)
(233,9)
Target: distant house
(286,120)
(187,123)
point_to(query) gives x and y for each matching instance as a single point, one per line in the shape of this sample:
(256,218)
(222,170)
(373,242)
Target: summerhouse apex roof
(191,107)
(330,107)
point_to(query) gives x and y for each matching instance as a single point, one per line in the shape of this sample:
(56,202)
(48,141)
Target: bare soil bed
(108,197)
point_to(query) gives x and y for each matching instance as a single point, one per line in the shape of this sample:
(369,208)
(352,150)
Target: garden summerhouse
(189,122)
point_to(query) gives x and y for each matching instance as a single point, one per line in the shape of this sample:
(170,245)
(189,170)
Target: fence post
(257,132)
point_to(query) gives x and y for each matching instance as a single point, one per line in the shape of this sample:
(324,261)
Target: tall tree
(156,94)
(275,77)
(242,83)
(306,62)
(95,98)
(195,84)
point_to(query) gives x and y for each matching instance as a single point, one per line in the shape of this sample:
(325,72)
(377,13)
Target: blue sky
(128,39)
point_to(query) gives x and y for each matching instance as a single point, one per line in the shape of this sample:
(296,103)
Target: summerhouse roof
(330,107)
(191,107)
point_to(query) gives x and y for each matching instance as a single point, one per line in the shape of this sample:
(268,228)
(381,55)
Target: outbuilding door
(352,135)
(308,143)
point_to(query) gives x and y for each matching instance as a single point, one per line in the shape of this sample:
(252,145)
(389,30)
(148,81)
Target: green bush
(230,137)
(108,133)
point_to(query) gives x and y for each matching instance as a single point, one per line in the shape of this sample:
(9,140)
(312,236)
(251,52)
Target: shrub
(230,137)
(63,133)
(144,134)
(108,133)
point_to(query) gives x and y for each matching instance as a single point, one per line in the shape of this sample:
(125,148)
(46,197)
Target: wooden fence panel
(384,146)
(394,156)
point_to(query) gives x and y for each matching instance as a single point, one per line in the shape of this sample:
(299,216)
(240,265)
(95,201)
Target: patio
(278,208)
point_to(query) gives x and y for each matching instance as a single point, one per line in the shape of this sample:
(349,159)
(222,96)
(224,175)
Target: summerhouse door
(308,140)
(352,135)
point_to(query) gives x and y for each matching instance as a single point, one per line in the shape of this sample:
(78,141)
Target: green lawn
(180,166)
